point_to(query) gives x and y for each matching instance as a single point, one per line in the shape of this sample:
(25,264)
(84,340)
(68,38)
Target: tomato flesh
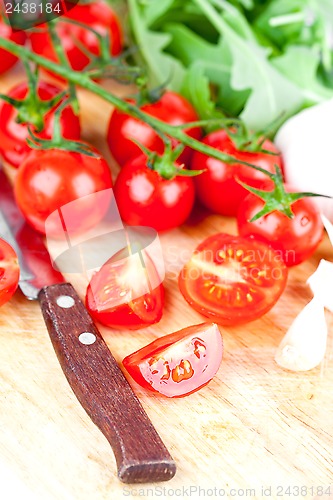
(233,280)
(178,364)
(120,294)
(9,272)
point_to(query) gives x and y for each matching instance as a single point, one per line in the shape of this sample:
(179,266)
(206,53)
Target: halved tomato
(120,294)
(180,363)
(233,280)
(9,272)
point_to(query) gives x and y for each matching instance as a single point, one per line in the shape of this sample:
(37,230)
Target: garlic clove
(321,283)
(328,226)
(304,345)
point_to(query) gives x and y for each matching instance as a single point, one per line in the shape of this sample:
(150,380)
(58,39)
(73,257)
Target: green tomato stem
(84,81)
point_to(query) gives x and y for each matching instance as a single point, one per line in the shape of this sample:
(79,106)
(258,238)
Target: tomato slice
(233,280)
(178,364)
(9,272)
(120,294)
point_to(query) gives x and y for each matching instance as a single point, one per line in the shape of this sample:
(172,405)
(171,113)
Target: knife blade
(89,366)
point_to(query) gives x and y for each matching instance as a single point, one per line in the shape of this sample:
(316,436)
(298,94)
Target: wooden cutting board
(254,431)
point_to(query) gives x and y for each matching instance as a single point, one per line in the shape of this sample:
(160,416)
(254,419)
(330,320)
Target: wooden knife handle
(102,388)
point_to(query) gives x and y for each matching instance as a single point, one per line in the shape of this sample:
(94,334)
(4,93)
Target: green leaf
(196,89)
(155,10)
(214,59)
(271,92)
(162,68)
(285,22)
(300,65)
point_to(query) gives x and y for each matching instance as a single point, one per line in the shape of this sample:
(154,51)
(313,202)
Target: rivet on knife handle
(102,389)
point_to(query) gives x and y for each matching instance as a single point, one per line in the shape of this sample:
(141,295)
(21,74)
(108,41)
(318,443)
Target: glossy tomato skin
(9,272)
(118,295)
(99,16)
(49,179)
(171,108)
(7,60)
(217,188)
(178,364)
(144,198)
(295,239)
(233,280)
(13,146)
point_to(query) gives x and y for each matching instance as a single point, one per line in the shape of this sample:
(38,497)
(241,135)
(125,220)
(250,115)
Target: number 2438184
(32,8)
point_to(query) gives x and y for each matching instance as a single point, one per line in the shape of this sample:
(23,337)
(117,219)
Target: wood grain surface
(254,431)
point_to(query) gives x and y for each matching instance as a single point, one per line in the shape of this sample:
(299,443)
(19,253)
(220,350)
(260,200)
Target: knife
(91,370)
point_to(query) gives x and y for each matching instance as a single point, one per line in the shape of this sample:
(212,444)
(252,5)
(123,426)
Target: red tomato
(217,188)
(9,272)
(49,179)
(180,363)
(119,295)
(295,239)
(170,108)
(7,60)
(145,198)
(13,146)
(233,280)
(98,16)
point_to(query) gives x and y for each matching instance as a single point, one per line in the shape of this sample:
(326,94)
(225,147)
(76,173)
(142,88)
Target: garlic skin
(305,141)
(304,345)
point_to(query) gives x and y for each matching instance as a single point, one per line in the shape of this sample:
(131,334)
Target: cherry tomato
(233,280)
(145,198)
(98,16)
(49,179)
(295,239)
(217,188)
(9,272)
(7,60)
(119,295)
(13,146)
(171,108)
(178,364)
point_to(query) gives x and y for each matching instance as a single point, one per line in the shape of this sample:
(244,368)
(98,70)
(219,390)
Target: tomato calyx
(166,165)
(277,199)
(245,139)
(32,110)
(58,141)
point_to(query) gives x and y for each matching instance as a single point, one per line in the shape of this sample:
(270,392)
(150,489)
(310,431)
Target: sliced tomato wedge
(233,280)
(178,364)
(120,296)
(9,272)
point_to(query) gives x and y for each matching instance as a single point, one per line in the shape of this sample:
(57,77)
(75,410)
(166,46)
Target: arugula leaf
(196,89)
(214,60)
(249,58)
(271,93)
(155,10)
(300,65)
(162,68)
(287,22)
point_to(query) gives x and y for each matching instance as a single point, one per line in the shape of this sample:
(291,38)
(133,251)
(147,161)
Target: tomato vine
(85,81)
